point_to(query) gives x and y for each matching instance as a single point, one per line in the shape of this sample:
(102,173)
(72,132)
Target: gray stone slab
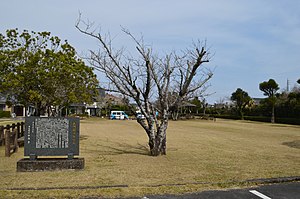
(49,164)
(51,136)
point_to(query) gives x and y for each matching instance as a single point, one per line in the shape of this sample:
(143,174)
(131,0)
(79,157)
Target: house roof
(187,104)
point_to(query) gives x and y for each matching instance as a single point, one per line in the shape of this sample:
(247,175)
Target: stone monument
(50,144)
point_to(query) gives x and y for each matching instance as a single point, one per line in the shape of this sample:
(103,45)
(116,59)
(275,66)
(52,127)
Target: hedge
(231,117)
(294,121)
(4,114)
(258,118)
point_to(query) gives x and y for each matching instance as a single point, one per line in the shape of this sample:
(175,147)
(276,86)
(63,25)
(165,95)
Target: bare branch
(155,84)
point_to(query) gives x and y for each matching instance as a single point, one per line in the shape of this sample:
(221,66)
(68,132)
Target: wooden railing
(12,136)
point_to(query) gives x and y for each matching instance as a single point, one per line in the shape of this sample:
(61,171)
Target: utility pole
(287,85)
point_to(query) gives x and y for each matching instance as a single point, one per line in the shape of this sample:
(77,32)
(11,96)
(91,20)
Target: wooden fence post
(7,141)
(13,126)
(22,129)
(2,138)
(15,137)
(11,140)
(18,129)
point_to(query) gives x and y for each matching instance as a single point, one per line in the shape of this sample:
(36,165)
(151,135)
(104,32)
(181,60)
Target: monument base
(49,164)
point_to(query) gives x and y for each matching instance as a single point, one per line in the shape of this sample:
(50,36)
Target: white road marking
(259,194)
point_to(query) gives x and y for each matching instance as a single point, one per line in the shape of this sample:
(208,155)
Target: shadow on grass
(117,148)
(293,144)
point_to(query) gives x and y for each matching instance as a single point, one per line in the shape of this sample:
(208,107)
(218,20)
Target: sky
(252,41)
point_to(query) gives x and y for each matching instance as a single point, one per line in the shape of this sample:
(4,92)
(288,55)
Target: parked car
(139,115)
(118,115)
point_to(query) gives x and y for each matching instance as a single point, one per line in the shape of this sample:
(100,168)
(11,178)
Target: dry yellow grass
(4,122)
(201,154)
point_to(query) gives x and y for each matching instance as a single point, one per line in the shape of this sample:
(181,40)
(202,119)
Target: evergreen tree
(38,69)
(269,88)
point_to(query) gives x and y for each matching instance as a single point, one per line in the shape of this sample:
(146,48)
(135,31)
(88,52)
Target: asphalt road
(275,191)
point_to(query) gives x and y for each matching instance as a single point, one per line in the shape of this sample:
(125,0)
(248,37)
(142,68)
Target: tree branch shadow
(118,148)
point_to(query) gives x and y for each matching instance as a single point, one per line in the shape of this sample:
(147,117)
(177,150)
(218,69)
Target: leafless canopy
(156,84)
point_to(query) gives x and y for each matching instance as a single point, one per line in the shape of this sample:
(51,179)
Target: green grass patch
(4,114)
(4,122)
(201,155)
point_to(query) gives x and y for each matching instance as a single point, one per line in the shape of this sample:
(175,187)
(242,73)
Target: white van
(139,115)
(118,115)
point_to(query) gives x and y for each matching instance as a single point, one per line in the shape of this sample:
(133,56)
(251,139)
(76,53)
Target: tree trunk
(37,111)
(175,115)
(273,114)
(242,115)
(158,144)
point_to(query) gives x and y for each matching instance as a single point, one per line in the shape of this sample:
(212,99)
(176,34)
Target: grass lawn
(201,155)
(6,121)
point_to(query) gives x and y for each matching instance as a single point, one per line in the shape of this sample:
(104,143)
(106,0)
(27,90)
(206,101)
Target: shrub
(258,118)
(232,117)
(4,114)
(294,121)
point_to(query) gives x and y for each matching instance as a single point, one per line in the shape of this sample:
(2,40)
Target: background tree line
(283,107)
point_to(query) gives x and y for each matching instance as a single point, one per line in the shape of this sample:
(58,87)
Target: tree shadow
(292,144)
(118,148)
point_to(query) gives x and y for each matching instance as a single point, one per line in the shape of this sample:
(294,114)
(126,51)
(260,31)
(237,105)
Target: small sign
(51,136)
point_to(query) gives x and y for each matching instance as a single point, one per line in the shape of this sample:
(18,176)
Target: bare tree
(149,80)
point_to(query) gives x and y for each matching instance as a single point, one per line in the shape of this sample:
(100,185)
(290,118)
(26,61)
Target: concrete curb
(252,181)
(274,180)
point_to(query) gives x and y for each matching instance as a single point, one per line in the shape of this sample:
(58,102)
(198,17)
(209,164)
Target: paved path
(275,191)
